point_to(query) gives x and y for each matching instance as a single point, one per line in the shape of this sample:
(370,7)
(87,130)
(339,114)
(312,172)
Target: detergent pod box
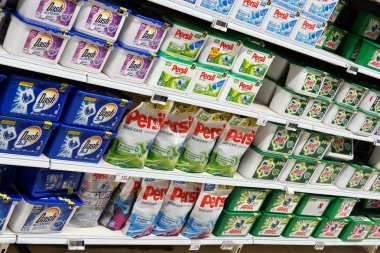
(317,109)
(371,101)
(9,199)
(364,123)
(211,200)
(340,208)
(101,19)
(367,25)
(341,149)
(350,94)
(354,177)
(217,6)
(326,173)
(270,224)
(95,110)
(43,215)
(298,170)
(47,183)
(282,19)
(245,199)
(312,144)
(321,8)
(373,184)
(338,115)
(309,29)
(330,229)
(172,73)
(61,13)
(375,232)
(330,87)
(313,205)
(33,98)
(146,208)
(78,144)
(136,134)
(281,202)
(331,38)
(357,229)
(234,223)
(24,137)
(301,226)
(251,12)
(178,202)
(34,40)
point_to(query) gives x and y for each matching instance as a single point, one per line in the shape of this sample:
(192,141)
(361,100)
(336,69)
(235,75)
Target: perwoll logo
(144,121)
(226,46)
(47,217)
(182,35)
(184,196)
(89,52)
(149,33)
(180,70)
(55,7)
(154,193)
(42,43)
(308,25)
(245,86)
(205,76)
(258,58)
(207,132)
(281,15)
(28,137)
(46,99)
(90,145)
(212,201)
(106,113)
(238,137)
(250,3)
(104,18)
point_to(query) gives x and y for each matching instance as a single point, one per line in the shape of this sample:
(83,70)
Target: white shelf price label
(376,142)
(289,190)
(261,121)
(319,245)
(76,245)
(352,69)
(227,245)
(159,99)
(121,178)
(220,25)
(292,126)
(195,246)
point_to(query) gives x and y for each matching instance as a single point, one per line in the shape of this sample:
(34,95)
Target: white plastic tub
(309,29)
(338,115)
(253,61)
(350,94)
(288,103)
(373,183)
(298,170)
(330,87)
(265,94)
(172,73)
(278,68)
(216,6)
(341,149)
(316,109)
(321,8)
(252,13)
(61,14)
(354,177)
(143,32)
(371,101)
(305,80)
(208,82)
(240,90)
(34,40)
(261,165)
(363,123)
(129,64)
(326,173)
(101,19)
(220,51)
(86,53)
(312,144)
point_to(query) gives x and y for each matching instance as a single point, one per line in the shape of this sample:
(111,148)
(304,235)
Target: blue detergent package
(32,98)
(8,200)
(48,183)
(7,174)
(24,137)
(223,7)
(78,144)
(43,215)
(97,111)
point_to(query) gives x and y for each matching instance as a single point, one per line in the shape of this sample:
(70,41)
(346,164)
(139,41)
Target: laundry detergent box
(33,98)
(358,228)
(313,205)
(312,144)
(321,8)
(308,29)
(245,199)
(375,232)
(331,38)
(48,183)
(23,136)
(43,215)
(251,12)
(270,224)
(354,176)
(8,201)
(341,149)
(281,202)
(298,170)
(217,6)
(330,229)
(234,223)
(367,25)
(78,144)
(95,109)
(326,173)
(301,226)
(340,208)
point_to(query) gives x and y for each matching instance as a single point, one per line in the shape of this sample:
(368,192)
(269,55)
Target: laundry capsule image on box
(340,208)
(330,228)
(358,228)
(270,224)
(234,223)
(301,226)
(244,199)
(281,202)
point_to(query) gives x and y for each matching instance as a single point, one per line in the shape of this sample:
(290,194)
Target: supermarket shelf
(7,237)
(23,160)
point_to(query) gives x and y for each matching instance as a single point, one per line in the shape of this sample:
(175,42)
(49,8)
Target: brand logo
(312,145)
(315,110)
(104,18)
(308,25)
(293,106)
(326,174)
(90,145)
(90,52)
(351,96)
(238,137)
(144,121)
(298,171)
(182,35)
(106,113)
(181,127)
(149,33)
(28,137)
(259,58)
(184,196)
(42,43)
(180,70)
(337,144)
(205,76)
(98,176)
(280,139)
(212,201)
(375,61)
(207,132)
(265,168)
(281,15)
(136,63)
(250,3)
(47,217)
(226,46)
(154,193)
(245,86)
(55,6)
(356,178)
(46,99)
(340,117)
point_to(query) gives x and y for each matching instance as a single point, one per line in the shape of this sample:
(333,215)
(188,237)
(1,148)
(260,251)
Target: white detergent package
(119,207)
(95,182)
(206,211)
(136,133)
(168,143)
(146,207)
(178,202)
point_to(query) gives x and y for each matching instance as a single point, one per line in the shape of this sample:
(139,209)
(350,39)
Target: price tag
(76,245)
(195,246)
(219,24)
(121,178)
(159,99)
(227,245)
(319,245)
(352,70)
(292,126)
(289,190)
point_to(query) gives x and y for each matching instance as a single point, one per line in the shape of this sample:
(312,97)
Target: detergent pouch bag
(206,211)
(118,208)
(168,143)
(136,133)
(204,131)
(95,182)
(146,207)
(178,202)
(231,146)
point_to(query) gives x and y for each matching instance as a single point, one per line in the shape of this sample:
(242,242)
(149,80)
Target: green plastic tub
(330,228)
(245,199)
(301,226)
(298,170)
(370,204)
(367,25)
(313,205)
(337,11)
(358,228)
(375,231)
(331,38)
(234,223)
(330,87)
(270,224)
(351,46)
(340,208)
(326,173)
(280,202)
(369,55)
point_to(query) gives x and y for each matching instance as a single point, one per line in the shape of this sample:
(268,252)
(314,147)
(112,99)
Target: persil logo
(104,18)
(238,137)
(47,217)
(259,58)
(181,127)
(308,25)
(55,7)
(177,69)
(154,193)
(28,137)
(226,46)
(205,76)
(210,133)
(250,3)
(245,86)
(182,35)
(106,113)
(184,196)
(212,201)
(144,121)
(281,15)
(90,145)
(46,99)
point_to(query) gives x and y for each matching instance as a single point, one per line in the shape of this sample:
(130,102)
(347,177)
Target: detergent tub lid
(92,131)
(93,39)
(136,50)
(111,4)
(43,26)
(72,200)
(153,20)
(28,121)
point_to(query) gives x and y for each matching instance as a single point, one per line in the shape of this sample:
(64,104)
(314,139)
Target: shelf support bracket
(319,245)
(261,121)
(352,69)
(220,25)
(195,246)
(292,126)
(75,245)
(227,245)
(237,248)
(289,190)
(370,249)
(159,99)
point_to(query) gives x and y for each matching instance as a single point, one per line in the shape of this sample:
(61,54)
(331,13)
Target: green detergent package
(270,224)
(246,199)
(204,132)
(313,205)
(340,208)
(370,204)
(234,223)
(136,133)
(375,231)
(231,146)
(301,226)
(330,228)
(358,228)
(281,202)
(369,55)
(331,38)
(164,153)
(367,25)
